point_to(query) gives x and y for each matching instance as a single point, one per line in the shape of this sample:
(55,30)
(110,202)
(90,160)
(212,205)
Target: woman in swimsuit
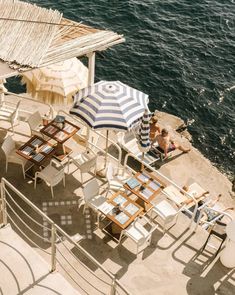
(154,129)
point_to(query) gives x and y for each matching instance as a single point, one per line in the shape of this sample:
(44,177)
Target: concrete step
(23,271)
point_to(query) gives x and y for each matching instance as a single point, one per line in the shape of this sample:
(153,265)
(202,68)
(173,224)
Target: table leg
(60,149)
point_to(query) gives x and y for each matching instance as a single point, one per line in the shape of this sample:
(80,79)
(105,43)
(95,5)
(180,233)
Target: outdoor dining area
(120,211)
(127,202)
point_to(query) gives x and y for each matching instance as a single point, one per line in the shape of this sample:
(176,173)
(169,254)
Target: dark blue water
(181,53)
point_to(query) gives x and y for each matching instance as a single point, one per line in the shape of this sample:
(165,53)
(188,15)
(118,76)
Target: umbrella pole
(142,162)
(106,148)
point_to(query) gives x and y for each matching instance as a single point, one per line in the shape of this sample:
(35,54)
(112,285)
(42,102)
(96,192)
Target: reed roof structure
(34,37)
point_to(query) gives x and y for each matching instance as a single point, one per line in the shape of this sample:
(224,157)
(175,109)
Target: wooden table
(149,187)
(121,219)
(60,132)
(37,150)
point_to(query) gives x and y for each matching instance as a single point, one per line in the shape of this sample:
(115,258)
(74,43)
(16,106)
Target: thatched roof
(31,37)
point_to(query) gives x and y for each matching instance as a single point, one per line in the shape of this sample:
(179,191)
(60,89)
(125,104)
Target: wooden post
(91,68)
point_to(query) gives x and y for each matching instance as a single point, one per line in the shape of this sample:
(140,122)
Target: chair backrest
(34,120)
(90,190)
(109,172)
(88,165)
(8,145)
(14,115)
(93,139)
(57,177)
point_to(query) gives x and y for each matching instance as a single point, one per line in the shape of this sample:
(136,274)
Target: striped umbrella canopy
(110,105)
(144,141)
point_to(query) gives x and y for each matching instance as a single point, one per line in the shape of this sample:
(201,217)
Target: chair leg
(52,192)
(204,246)
(98,219)
(81,178)
(35,182)
(6,165)
(64,181)
(23,170)
(84,208)
(219,248)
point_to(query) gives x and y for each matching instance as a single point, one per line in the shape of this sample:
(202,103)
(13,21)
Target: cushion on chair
(165,209)
(97,201)
(137,231)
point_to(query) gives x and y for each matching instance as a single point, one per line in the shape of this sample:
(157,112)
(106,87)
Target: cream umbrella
(55,84)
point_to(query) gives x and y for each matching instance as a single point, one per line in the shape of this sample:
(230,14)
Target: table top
(60,132)
(36,150)
(129,209)
(230,230)
(145,186)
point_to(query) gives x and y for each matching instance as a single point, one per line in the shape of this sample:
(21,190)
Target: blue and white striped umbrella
(110,105)
(144,141)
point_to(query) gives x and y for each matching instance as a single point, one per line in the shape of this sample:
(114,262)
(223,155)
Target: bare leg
(182,148)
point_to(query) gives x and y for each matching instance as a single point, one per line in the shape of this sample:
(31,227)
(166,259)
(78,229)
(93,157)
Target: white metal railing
(192,214)
(20,96)
(10,210)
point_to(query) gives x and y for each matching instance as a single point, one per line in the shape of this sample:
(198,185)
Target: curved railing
(62,246)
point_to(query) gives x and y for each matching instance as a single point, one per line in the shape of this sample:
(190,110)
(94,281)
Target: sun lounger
(129,143)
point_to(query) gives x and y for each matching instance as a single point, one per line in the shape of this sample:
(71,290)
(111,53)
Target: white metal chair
(167,212)
(85,162)
(35,123)
(9,113)
(114,182)
(92,198)
(9,149)
(51,175)
(138,233)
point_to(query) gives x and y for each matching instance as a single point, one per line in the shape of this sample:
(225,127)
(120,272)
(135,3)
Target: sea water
(181,53)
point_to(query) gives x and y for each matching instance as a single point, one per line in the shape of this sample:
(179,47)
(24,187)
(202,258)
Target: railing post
(53,247)
(3,203)
(113,286)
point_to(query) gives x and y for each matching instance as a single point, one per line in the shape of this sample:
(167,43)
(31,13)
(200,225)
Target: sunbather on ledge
(167,145)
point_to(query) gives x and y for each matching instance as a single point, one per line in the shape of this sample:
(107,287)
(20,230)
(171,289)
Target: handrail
(167,179)
(57,229)
(51,110)
(98,133)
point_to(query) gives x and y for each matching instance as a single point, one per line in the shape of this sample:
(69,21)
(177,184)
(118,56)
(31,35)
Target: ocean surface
(181,53)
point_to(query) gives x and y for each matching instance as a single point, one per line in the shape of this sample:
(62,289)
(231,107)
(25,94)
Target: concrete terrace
(172,264)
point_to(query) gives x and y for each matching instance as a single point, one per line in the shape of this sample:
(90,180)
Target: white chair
(138,233)
(9,113)
(167,212)
(92,198)
(51,175)
(35,123)
(114,182)
(85,162)
(9,149)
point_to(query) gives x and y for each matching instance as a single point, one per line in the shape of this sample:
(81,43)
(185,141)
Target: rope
(22,210)
(39,22)
(82,262)
(78,273)
(36,234)
(27,236)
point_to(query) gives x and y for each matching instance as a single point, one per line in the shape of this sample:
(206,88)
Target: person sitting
(154,129)
(167,145)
